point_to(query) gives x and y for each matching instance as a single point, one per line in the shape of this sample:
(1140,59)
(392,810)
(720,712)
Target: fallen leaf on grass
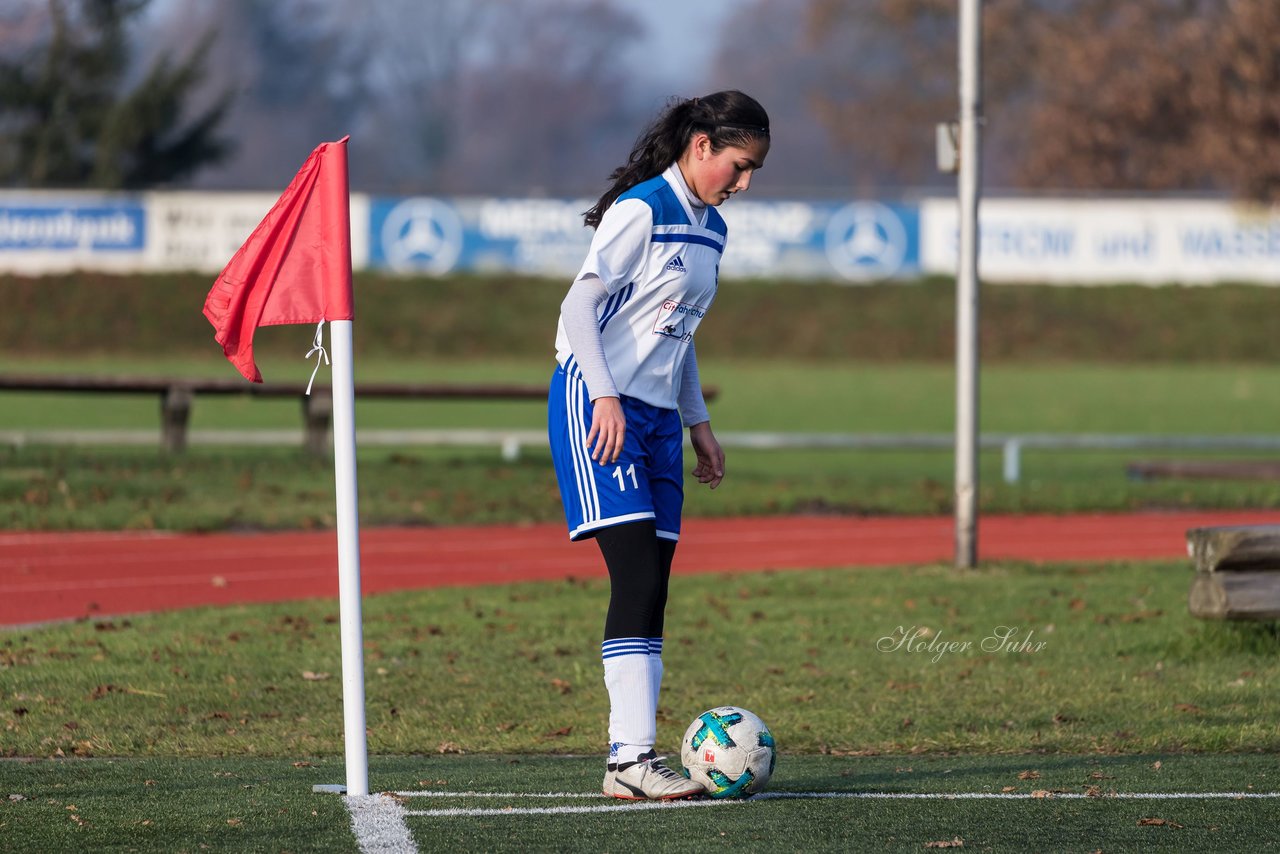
(448,747)
(559,733)
(302,765)
(562,686)
(957,842)
(1029,775)
(1157,822)
(1187,707)
(1155,766)
(314,677)
(1042,793)
(1007,789)
(1140,616)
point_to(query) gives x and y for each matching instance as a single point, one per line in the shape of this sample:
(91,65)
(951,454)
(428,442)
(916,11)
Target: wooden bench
(1237,572)
(1205,469)
(177,394)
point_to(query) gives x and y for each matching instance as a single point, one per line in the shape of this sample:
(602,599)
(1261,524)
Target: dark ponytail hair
(728,118)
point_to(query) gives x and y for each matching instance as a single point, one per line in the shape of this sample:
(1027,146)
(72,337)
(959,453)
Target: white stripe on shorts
(575,392)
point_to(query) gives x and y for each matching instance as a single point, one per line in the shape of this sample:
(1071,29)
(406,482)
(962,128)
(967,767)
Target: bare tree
(1242,139)
(297,68)
(548,111)
(767,50)
(1159,95)
(425,50)
(502,97)
(1152,95)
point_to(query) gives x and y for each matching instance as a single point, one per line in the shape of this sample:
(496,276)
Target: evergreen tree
(70,118)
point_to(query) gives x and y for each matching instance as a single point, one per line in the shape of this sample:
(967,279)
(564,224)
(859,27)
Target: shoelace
(655,765)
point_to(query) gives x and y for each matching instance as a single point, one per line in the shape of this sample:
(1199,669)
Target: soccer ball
(729,751)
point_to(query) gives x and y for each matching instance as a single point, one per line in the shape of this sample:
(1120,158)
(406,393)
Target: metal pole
(970,50)
(344,457)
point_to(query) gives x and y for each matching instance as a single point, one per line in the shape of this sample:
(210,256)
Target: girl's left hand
(710,467)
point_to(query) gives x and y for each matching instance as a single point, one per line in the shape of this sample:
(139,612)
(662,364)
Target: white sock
(627,676)
(655,673)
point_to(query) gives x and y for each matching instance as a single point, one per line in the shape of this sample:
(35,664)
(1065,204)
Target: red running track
(68,576)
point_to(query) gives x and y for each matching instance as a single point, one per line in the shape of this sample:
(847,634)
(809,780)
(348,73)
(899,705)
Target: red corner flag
(295,267)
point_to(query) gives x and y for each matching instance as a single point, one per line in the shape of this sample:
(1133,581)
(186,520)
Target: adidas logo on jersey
(677,264)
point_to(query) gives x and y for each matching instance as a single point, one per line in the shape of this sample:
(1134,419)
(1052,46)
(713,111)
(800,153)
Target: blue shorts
(646,482)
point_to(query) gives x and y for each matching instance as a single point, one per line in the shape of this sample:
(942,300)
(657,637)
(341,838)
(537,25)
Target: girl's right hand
(608,429)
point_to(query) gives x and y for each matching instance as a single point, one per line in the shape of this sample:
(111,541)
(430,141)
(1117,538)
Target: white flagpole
(344,467)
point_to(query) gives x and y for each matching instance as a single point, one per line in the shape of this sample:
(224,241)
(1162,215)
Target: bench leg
(175,414)
(317,414)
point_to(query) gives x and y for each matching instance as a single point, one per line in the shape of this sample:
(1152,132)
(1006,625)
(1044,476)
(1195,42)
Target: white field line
(378,821)
(770,796)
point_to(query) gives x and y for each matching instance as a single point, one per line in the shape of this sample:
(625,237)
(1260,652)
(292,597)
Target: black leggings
(639,571)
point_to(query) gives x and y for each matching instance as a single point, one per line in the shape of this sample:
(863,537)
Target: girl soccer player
(626,381)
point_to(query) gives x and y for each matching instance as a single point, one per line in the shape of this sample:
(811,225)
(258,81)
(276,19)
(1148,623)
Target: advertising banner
(1104,242)
(855,242)
(57,232)
(201,231)
(1063,241)
(438,236)
(861,241)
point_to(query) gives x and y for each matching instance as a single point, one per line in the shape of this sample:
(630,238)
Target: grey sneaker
(648,779)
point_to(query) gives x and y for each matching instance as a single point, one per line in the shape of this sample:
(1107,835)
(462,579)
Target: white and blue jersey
(660,262)
(659,259)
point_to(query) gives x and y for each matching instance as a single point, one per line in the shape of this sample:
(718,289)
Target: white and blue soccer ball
(729,751)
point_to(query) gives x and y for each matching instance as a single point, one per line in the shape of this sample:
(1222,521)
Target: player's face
(716,175)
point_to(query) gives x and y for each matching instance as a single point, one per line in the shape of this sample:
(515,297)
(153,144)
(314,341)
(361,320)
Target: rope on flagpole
(317,346)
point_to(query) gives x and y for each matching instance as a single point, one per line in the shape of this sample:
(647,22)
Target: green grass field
(501,316)
(1119,667)
(208,488)
(204,730)
(754,395)
(498,690)
(1029,803)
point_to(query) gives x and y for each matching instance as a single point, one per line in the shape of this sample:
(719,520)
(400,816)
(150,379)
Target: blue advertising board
(856,242)
(60,226)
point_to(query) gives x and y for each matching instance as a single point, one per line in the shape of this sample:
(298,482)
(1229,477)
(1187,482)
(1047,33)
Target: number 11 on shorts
(621,476)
